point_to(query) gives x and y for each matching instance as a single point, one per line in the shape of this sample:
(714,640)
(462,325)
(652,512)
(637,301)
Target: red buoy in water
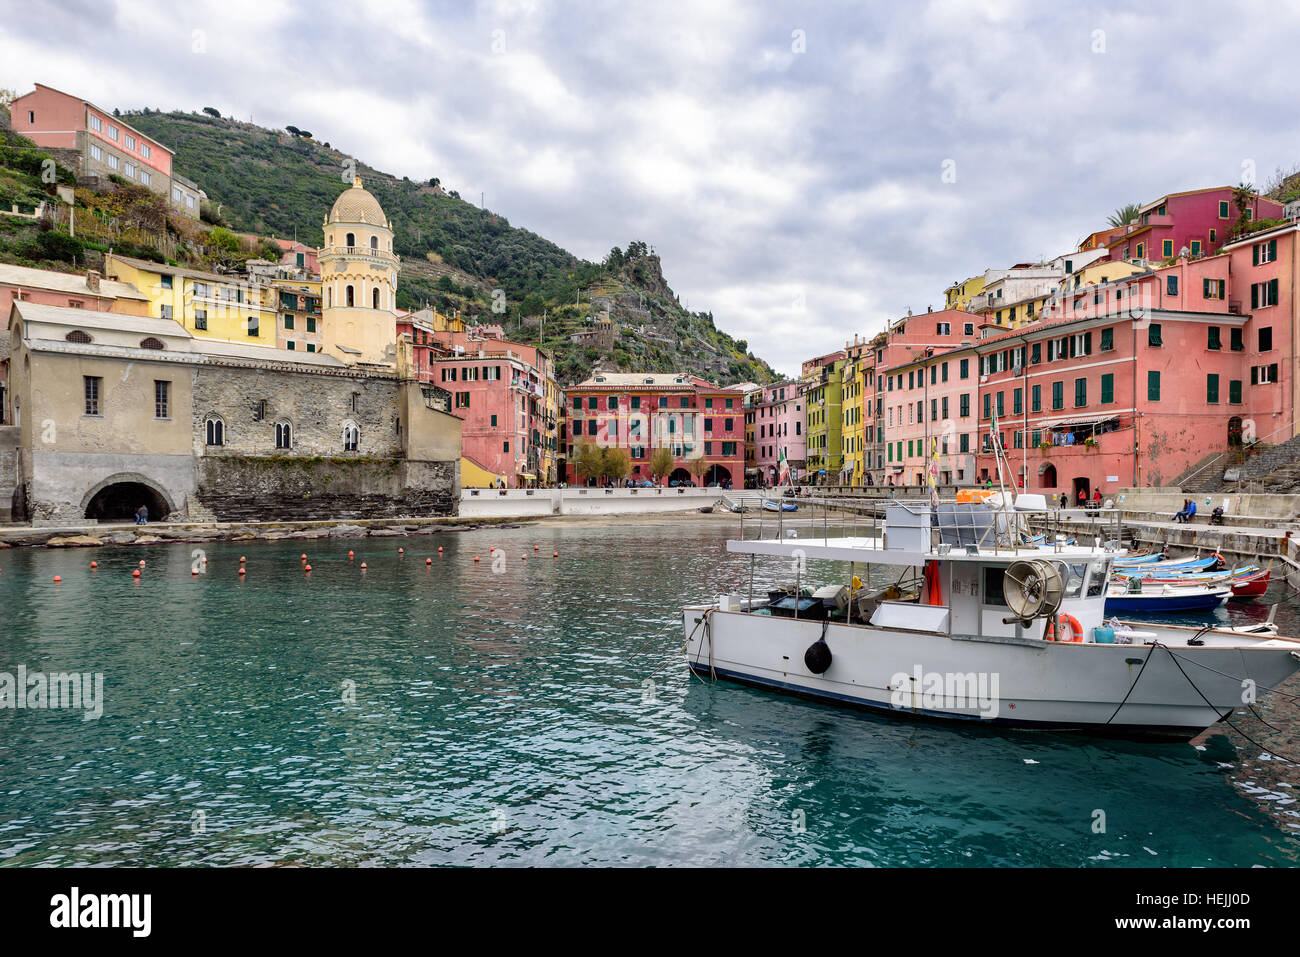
(428,561)
(57,579)
(243,571)
(136,573)
(94,564)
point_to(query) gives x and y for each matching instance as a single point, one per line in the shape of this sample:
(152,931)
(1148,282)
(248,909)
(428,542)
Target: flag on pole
(783,470)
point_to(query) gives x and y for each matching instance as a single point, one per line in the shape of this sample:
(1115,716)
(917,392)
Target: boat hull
(1010,682)
(1156,604)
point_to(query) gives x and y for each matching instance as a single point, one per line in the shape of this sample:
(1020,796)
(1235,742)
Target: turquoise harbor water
(502,718)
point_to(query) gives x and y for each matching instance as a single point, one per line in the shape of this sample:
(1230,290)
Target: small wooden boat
(1166,598)
(706,509)
(770,506)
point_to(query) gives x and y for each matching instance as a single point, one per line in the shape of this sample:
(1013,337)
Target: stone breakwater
(90,536)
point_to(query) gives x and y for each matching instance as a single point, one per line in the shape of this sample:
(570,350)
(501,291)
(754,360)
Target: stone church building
(107,412)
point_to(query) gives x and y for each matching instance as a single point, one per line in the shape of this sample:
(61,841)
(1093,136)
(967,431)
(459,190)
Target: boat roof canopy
(870,550)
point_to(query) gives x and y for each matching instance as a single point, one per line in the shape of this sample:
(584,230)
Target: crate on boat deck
(907,527)
(962,524)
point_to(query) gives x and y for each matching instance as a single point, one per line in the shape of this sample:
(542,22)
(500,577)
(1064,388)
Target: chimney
(92,280)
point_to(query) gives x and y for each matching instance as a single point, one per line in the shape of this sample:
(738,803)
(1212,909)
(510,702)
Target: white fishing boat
(999,631)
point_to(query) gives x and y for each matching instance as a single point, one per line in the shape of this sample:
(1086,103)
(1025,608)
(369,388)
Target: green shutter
(1107,339)
(1153,386)
(1080,392)
(1108,388)
(1254,295)
(1212,389)
(1214,342)
(1234,391)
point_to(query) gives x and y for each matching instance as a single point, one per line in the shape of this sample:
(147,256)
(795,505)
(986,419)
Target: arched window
(350,297)
(216,430)
(351,436)
(352,239)
(374,298)
(374,242)
(151,343)
(283,435)
(76,335)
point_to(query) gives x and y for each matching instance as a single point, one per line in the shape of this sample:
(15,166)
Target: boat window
(1097,579)
(993,594)
(1074,586)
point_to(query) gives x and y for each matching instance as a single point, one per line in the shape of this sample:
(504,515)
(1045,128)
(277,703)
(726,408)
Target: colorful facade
(298,314)
(208,305)
(697,421)
(1199,220)
(823,380)
(96,144)
(779,432)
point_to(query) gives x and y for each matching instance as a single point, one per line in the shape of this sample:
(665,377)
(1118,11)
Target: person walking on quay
(1083,498)
(1064,501)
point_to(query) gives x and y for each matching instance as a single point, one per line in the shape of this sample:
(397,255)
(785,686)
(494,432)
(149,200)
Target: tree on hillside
(211,112)
(1126,214)
(661,463)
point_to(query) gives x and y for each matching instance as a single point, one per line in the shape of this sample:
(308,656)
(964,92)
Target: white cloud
(754,170)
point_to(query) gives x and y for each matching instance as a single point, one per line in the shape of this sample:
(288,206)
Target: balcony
(358,252)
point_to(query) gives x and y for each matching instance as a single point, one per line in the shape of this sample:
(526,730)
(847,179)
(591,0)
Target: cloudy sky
(806,170)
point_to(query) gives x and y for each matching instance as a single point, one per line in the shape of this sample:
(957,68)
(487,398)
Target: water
(502,718)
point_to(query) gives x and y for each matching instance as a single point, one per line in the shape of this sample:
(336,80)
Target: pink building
(1198,219)
(299,256)
(643,411)
(903,364)
(94,143)
(500,389)
(779,431)
(1127,383)
(49,288)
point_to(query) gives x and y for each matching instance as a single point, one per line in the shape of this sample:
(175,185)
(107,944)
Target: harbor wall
(528,503)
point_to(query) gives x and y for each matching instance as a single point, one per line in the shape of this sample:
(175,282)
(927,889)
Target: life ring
(1076,630)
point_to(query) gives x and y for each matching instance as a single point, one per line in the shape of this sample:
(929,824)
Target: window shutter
(1254,296)
(1272,250)
(1254,255)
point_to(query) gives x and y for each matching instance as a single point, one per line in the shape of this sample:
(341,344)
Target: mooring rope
(1224,717)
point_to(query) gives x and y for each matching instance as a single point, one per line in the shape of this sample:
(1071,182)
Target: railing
(358,251)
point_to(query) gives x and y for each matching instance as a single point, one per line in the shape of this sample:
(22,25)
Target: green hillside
(454,254)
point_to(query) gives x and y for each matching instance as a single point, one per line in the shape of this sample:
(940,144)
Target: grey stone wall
(315,405)
(297,488)
(10,436)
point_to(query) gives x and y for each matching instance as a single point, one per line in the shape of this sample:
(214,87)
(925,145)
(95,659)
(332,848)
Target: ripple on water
(450,715)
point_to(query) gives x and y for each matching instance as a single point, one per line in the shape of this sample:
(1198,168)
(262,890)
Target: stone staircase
(1275,469)
(1205,475)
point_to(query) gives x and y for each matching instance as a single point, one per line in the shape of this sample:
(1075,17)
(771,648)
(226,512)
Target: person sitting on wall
(1181,515)
(142,515)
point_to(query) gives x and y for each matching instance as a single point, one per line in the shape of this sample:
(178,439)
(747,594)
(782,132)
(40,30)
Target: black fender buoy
(818,656)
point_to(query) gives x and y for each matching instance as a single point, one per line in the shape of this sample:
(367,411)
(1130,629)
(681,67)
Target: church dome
(357,205)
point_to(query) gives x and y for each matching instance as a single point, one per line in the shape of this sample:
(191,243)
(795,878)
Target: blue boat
(781,507)
(1167,600)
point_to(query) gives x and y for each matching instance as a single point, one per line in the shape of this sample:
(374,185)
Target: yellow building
(208,305)
(359,274)
(959,294)
(853,428)
(298,314)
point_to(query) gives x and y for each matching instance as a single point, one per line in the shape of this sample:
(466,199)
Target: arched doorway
(680,476)
(1234,431)
(1048,476)
(1082,487)
(717,473)
(119,501)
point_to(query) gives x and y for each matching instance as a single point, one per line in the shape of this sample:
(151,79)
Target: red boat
(1252,586)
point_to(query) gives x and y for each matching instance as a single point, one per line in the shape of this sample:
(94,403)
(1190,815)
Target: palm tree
(1243,197)
(1124,215)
